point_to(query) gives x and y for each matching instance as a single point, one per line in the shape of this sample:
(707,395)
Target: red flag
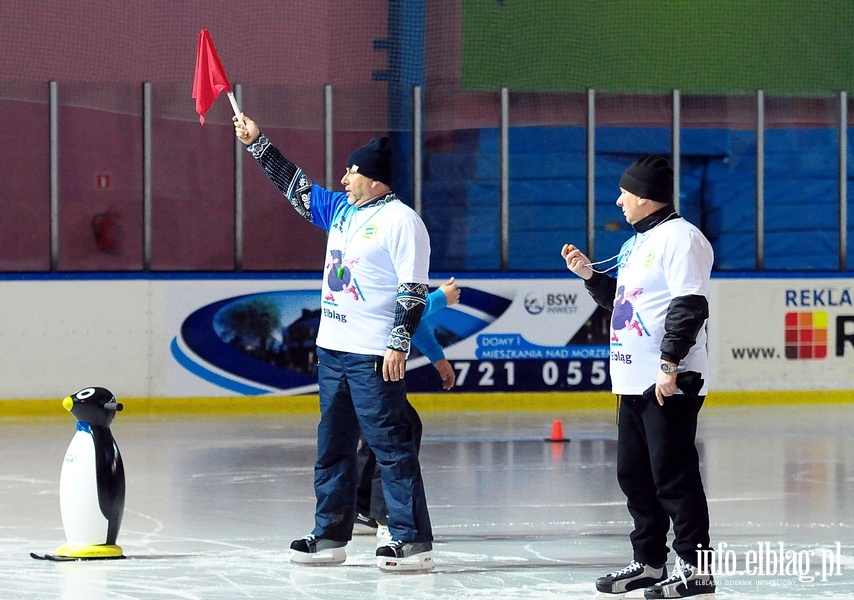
(210,77)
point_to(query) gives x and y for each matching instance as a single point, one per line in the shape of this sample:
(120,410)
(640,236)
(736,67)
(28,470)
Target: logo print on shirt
(649,258)
(624,316)
(339,276)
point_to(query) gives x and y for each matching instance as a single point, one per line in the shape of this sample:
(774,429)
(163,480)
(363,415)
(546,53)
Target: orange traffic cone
(557,432)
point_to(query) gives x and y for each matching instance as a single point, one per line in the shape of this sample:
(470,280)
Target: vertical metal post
(417,145)
(54,176)
(591,174)
(328,134)
(238,190)
(760,179)
(843,181)
(676,145)
(146,176)
(504,186)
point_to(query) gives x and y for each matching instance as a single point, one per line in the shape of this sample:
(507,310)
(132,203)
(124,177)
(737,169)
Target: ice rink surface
(214,502)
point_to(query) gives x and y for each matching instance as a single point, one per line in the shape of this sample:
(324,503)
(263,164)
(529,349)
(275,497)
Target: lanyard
(348,236)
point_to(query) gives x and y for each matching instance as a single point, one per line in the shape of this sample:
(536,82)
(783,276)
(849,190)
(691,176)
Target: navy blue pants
(354,397)
(369,491)
(658,469)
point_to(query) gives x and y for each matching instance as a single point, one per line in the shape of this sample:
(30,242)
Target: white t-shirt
(369,252)
(670,260)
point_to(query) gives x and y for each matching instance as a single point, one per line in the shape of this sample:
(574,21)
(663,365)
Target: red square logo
(806,335)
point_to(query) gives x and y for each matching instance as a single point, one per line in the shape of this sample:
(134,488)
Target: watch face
(667,368)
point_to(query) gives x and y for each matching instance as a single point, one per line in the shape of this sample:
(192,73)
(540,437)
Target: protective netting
(710,47)
(282,55)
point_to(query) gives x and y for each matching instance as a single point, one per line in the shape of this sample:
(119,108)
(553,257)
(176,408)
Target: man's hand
(665,386)
(446,372)
(246,131)
(451,291)
(576,261)
(394,365)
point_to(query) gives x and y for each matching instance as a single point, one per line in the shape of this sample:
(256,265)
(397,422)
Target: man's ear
(377,184)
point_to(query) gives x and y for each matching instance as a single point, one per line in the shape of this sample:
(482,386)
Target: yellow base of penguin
(95,552)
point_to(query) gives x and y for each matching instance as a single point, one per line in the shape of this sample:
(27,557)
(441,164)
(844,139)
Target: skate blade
(708,596)
(419,563)
(333,556)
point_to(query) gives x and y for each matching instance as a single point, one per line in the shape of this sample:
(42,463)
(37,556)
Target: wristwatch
(668,368)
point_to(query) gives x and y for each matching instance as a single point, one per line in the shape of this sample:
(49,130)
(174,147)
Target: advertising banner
(782,334)
(505,335)
(522,335)
(183,337)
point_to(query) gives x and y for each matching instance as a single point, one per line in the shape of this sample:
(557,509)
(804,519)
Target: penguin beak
(68,403)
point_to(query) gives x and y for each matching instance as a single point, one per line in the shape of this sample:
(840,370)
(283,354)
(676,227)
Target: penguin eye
(85,393)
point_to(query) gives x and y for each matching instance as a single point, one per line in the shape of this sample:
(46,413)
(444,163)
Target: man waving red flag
(210,77)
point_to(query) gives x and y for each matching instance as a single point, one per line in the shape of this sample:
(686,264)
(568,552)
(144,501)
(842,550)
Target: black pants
(658,469)
(369,493)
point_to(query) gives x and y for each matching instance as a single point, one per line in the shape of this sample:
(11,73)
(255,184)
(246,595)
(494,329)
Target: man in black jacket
(659,300)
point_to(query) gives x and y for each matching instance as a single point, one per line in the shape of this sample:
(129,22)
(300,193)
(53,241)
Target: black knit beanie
(373,160)
(651,177)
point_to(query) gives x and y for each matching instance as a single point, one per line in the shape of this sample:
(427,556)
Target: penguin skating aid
(92,481)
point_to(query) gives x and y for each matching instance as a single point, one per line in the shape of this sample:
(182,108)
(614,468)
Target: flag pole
(234,107)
